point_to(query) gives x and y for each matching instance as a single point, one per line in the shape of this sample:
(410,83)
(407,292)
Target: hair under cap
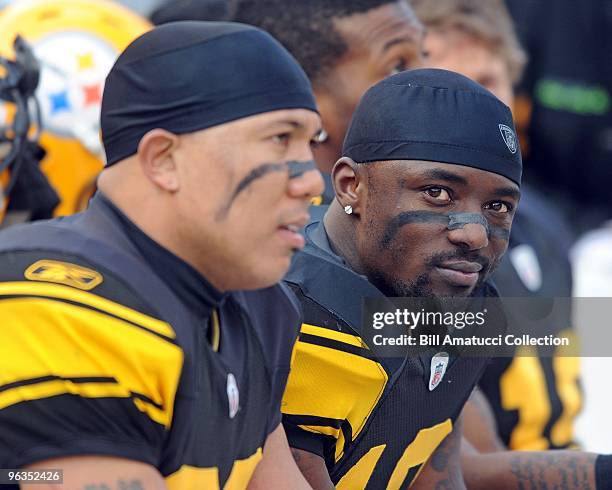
(188,76)
(438,116)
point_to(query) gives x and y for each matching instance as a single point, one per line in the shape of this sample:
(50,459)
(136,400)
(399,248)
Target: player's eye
(499,207)
(281,139)
(439,194)
(400,66)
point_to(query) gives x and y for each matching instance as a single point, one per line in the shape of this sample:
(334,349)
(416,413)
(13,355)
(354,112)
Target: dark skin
(416,258)
(415,186)
(381,42)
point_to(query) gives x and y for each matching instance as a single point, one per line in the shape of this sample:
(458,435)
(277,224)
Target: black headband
(438,116)
(188,76)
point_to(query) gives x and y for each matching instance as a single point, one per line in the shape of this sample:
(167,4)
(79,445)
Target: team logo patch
(233,395)
(525,262)
(63,273)
(439,362)
(509,138)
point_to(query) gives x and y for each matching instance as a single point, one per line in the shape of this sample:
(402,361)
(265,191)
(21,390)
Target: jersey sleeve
(86,367)
(334,385)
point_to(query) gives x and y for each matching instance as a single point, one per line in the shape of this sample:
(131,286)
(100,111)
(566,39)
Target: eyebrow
(399,40)
(439,174)
(507,192)
(294,125)
(287,122)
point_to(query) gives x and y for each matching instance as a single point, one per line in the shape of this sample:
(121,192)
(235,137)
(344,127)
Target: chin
(453,292)
(264,277)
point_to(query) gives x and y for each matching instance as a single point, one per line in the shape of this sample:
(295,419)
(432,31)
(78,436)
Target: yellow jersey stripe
(347,387)
(49,338)
(58,291)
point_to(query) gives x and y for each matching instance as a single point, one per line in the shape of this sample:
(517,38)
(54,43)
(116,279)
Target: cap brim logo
(509,138)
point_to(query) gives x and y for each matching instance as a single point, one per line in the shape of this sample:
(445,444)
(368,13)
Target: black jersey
(535,399)
(374,420)
(111,345)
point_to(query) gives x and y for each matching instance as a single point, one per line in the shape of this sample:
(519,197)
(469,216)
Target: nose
(472,236)
(308,185)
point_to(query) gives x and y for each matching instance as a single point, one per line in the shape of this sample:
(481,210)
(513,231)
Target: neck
(340,228)
(151,210)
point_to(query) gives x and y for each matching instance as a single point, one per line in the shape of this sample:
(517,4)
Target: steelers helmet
(76,43)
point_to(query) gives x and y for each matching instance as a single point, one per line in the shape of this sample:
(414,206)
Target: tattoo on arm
(553,470)
(445,459)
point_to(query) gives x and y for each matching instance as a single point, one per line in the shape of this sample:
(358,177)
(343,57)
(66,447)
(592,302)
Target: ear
(347,180)
(156,152)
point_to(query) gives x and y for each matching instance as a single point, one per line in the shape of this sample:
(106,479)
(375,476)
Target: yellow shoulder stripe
(333,384)
(333,334)
(67,293)
(43,339)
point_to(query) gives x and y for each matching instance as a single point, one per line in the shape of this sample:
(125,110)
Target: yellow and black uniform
(374,420)
(535,398)
(111,345)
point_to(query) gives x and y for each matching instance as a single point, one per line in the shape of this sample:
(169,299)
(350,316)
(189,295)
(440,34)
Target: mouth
(289,233)
(460,273)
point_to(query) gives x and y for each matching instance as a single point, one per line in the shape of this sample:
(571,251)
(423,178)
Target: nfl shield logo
(438,368)
(509,138)
(233,396)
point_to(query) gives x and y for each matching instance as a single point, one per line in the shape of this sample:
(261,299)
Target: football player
(375,422)
(145,342)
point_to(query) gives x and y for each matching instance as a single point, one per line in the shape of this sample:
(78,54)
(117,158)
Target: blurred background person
(345,47)
(566,94)
(76,42)
(534,398)
(25,193)
(567,88)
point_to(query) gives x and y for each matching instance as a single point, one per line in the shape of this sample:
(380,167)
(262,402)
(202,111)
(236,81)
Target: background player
(127,343)
(345,47)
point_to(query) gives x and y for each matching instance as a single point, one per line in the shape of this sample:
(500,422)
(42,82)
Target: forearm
(530,470)
(100,473)
(443,470)
(313,468)
(479,425)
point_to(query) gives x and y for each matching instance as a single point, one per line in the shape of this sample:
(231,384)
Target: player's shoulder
(61,263)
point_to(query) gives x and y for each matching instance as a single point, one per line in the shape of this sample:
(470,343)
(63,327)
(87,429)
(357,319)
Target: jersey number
(417,453)
(532,401)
